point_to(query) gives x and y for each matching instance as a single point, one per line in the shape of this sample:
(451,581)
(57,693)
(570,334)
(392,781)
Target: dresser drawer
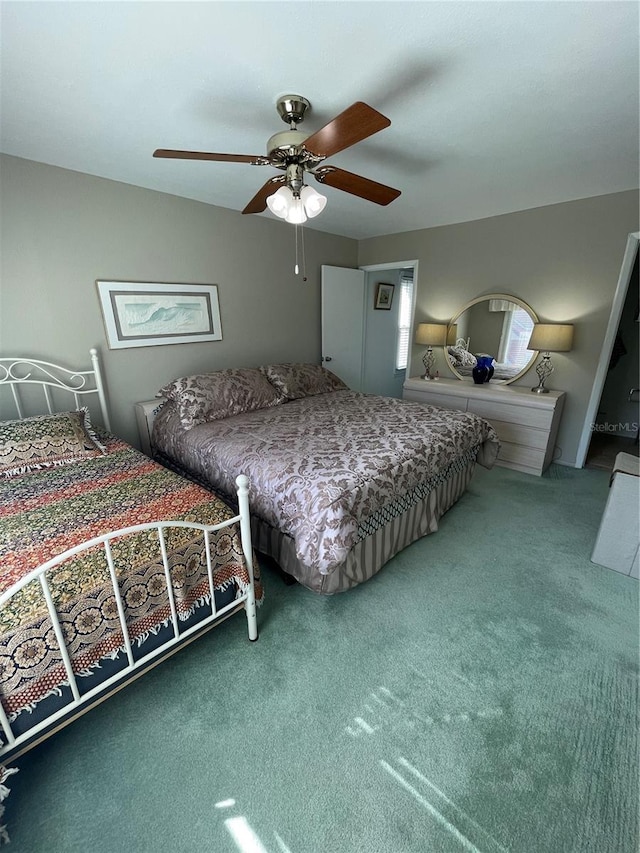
(443,401)
(509,413)
(525,457)
(518,434)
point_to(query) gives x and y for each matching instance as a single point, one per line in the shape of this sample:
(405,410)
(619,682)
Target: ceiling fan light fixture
(280,202)
(314,203)
(296,214)
(293,208)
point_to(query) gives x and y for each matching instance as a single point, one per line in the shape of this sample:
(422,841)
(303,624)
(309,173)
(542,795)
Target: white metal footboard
(11,741)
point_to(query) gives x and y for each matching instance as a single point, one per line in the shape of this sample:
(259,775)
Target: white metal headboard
(17,371)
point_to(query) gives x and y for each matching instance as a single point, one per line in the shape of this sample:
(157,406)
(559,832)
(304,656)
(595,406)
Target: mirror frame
(486,298)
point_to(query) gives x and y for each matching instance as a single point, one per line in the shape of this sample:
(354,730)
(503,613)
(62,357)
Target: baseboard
(567,464)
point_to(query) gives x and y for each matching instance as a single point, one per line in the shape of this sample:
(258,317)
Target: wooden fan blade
(252,159)
(353,125)
(259,202)
(356,185)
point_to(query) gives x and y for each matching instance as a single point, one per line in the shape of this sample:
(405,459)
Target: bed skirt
(374,550)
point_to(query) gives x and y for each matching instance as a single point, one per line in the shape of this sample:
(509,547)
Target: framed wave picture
(141,314)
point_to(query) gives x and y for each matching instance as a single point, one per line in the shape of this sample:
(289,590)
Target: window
(404,319)
(517,329)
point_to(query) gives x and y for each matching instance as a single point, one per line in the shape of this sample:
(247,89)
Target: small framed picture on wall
(384,297)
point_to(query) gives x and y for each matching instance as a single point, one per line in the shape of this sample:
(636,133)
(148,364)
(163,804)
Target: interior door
(343,323)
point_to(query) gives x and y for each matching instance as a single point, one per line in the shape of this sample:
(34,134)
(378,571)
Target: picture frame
(384,297)
(143,314)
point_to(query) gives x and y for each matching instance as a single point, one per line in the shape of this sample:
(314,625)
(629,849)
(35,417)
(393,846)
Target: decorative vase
(484,369)
(479,373)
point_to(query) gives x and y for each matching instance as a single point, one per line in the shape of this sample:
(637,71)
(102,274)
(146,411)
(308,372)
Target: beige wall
(62,230)
(564,260)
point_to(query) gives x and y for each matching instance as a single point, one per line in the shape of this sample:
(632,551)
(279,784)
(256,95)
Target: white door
(343,323)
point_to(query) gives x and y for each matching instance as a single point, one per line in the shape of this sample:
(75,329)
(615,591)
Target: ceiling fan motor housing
(288,147)
(288,143)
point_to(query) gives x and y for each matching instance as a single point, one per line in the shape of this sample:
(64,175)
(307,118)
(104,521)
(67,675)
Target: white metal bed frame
(78,383)
(48,375)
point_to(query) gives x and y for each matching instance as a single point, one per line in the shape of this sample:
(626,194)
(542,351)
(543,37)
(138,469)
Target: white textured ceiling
(495,106)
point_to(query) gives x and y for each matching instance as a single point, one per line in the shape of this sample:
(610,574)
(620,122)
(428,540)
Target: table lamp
(548,338)
(430,335)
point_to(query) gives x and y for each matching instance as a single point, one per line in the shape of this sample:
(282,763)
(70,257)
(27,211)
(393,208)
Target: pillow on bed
(462,357)
(45,441)
(213,396)
(302,380)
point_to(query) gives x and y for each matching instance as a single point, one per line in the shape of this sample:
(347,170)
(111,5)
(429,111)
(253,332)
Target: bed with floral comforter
(340,480)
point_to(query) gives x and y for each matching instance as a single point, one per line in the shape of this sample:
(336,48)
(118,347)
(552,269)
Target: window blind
(404,319)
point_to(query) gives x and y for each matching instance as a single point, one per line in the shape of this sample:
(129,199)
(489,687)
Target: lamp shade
(313,202)
(296,214)
(280,201)
(432,334)
(452,334)
(551,337)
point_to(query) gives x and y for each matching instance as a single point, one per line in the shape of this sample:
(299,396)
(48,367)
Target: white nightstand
(526,423)
(146,412)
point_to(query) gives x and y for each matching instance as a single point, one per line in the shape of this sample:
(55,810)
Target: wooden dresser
(526,423)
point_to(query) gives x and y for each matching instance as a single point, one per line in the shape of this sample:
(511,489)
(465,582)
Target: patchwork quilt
(46,512)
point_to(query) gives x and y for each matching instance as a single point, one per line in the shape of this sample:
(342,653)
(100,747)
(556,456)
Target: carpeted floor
(479,694)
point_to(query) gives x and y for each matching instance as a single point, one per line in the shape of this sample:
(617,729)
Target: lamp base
(429,360)
(544,369)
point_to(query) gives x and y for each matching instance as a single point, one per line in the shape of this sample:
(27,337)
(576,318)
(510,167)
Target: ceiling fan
(295,153)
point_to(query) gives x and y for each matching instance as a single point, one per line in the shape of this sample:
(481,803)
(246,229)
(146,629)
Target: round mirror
(497,325)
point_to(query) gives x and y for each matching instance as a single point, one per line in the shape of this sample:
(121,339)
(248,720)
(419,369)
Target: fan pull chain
(296,268)
(304,259)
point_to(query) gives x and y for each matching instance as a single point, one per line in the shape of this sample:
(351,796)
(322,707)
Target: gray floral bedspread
(320,465)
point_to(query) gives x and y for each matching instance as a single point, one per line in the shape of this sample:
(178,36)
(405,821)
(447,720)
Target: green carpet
(479,694)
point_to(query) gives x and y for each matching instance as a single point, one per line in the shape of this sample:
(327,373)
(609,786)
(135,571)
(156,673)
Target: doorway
(362,333)
(388,329)
(614,410)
